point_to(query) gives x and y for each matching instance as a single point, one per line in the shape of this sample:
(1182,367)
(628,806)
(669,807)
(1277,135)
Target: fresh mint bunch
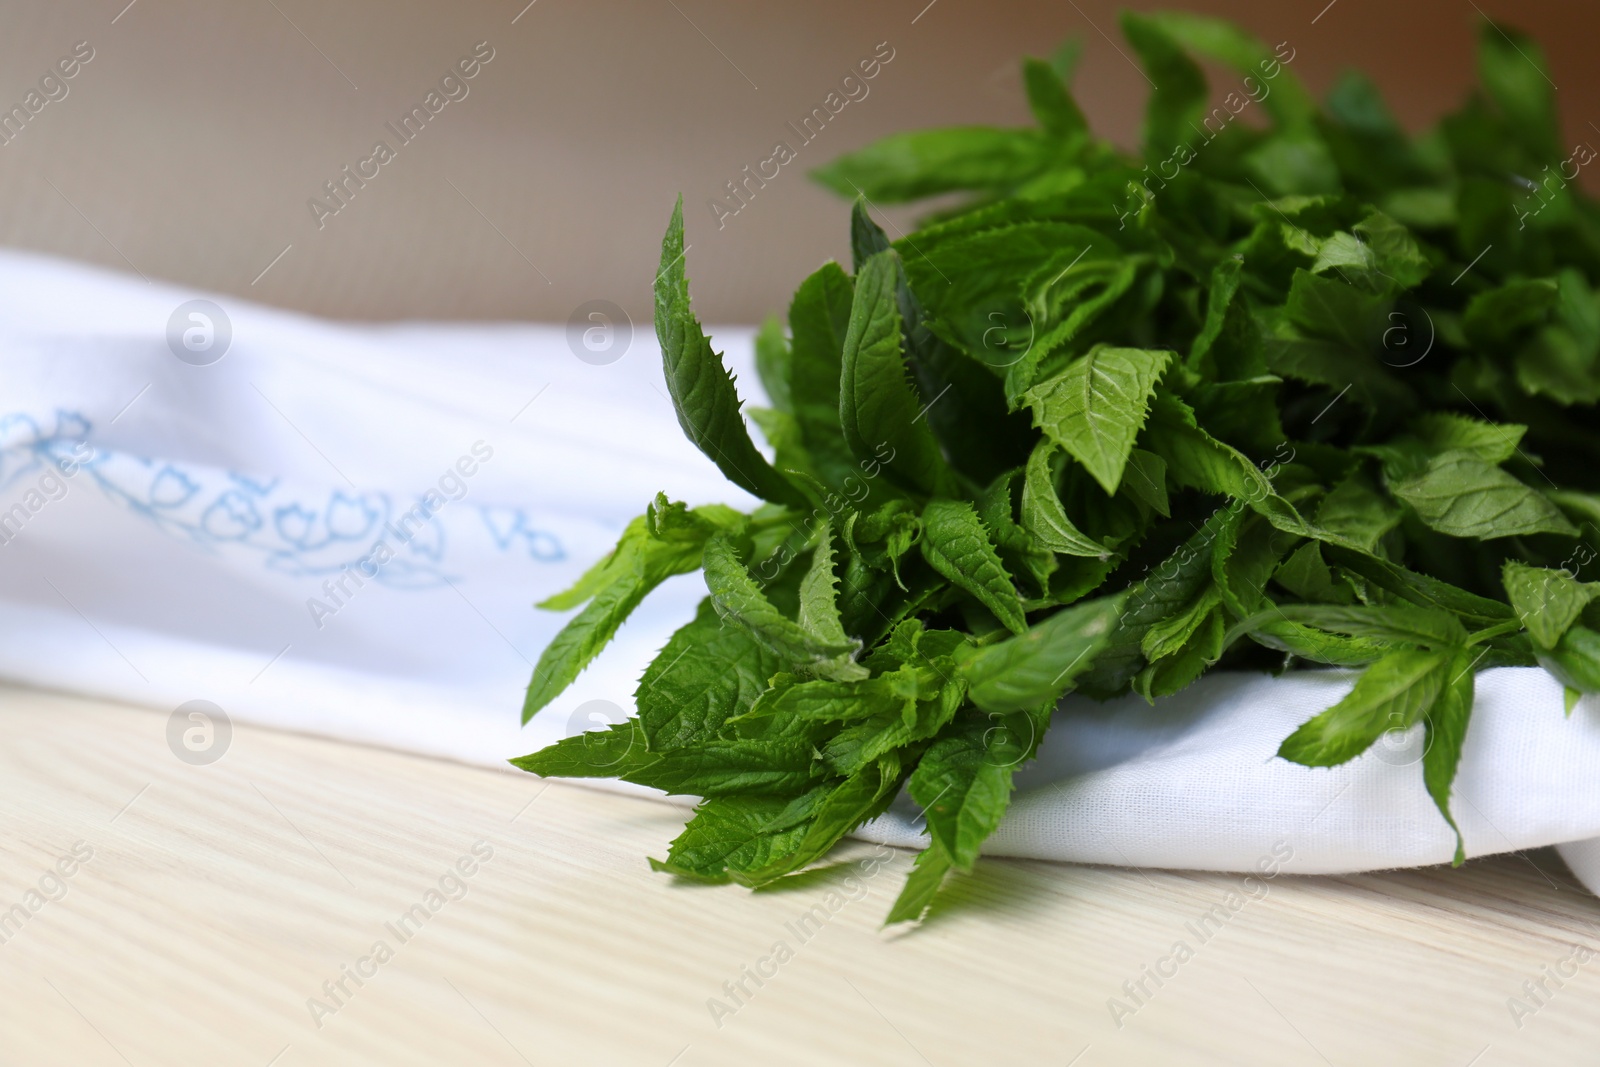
(1301,393)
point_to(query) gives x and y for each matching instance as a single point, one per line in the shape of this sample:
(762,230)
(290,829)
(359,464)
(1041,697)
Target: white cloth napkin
(202,550)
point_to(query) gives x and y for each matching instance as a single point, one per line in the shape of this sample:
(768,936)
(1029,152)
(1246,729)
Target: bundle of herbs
(1301,393)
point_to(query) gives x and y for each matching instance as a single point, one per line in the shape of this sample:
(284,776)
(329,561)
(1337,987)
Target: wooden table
(215,901)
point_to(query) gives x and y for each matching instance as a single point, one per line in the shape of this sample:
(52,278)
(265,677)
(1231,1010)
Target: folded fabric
(342,529)
(1195,782)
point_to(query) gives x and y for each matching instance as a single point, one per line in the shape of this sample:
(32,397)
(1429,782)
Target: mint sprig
(1313,394)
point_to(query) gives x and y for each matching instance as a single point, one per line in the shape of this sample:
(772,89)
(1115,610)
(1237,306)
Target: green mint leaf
(867,238)
(927,875)
(964,786)
(782,432)
(1420,589)
(1164,591)
(702,390)
(1333,333)
(890,695)
(1020,550)
(1096,407)
(864,742)
(819,317)
(1034,669)
(707,673)
(676,523)
(1392,694)
(1499,318)
(1396,255)
(858,799)
(1443,431)
(1145,479)
(1270,630)
(1181,665)
(1575,659)
(1224,285)
(965,395)
(731,768)
(614,566)
(1546,601)
(1559,361)
(1515,74)
(638,567)
(1247,552)
(1009,293)
(1446,730)
(1178,102)
(773,364)
(1459,494)
(729,834)
(1308,576)
(819,608)
(1398,623)
(1196,459)
(1355,511)
(910,166)
(883,417)
(1053,107)
(740,601)
(1043,516)
(1168,637)
(610,753)
(956,544)
(1288,101)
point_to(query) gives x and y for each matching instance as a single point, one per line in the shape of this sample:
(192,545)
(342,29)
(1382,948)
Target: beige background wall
(189,146)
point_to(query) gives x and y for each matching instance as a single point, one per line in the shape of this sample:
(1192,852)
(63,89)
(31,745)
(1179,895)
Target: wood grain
(220,898)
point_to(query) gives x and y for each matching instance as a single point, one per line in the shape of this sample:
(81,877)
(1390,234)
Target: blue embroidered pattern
(294,536)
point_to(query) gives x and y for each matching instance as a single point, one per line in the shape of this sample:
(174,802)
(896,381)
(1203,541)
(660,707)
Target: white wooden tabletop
(301,901)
